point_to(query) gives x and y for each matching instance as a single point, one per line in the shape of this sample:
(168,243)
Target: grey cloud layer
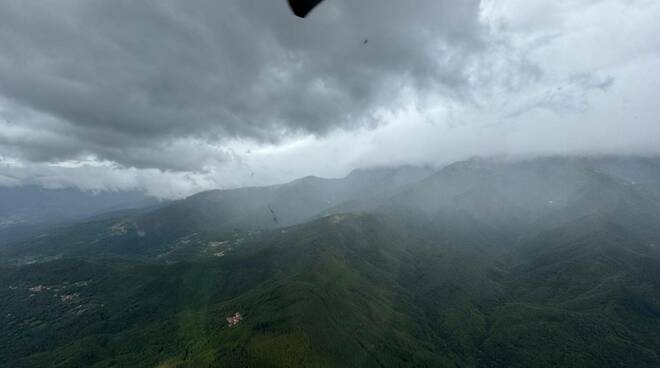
(123,80)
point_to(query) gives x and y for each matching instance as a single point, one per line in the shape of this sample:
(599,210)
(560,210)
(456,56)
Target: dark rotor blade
(302,7)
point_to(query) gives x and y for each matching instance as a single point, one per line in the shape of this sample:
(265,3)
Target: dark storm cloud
(122,80)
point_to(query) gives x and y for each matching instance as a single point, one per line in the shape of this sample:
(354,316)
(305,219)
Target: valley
(544,263)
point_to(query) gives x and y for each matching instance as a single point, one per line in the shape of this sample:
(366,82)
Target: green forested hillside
(466,268)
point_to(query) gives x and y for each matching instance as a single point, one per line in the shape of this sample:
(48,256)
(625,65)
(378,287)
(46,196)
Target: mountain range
(544,262)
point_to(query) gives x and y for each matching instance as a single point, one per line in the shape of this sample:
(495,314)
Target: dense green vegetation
(462,269)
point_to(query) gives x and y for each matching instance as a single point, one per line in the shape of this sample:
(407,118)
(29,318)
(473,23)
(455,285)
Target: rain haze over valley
(242,183)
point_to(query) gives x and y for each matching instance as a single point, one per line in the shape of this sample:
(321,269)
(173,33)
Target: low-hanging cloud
(176,97)
(122,79)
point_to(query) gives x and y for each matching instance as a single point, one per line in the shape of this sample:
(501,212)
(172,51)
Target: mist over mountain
(329,183)
(226,211)
(542,262)
(25,210)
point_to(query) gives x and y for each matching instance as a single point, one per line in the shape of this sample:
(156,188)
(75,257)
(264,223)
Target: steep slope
(518,198)
(323,294)
(545,263)
(350,291)
(219,213)
(586,294)
(483,204)
(283,205)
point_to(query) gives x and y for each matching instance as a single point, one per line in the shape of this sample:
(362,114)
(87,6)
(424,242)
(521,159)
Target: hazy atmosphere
(176,97)
(330,183)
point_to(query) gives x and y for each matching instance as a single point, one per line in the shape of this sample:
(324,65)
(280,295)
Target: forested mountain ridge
(546,262)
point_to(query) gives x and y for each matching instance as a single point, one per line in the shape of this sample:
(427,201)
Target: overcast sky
(176,97)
